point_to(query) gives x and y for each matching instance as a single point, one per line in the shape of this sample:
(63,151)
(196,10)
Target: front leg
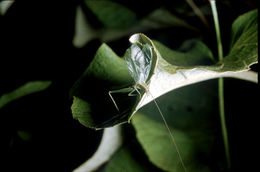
(123,90)
(135,88)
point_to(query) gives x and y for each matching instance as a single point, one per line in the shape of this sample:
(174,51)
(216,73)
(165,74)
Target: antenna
(169,131)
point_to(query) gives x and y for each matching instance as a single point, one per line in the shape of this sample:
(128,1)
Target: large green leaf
(26,89)
(106,72)
(190,112)
(175,69)
(124,160)
(243,52)
(242,24)
(192,53)
(244,43)
(130,156)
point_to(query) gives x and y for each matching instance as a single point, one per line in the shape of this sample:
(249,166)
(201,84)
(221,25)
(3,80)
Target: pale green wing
(139,62)
(147,61)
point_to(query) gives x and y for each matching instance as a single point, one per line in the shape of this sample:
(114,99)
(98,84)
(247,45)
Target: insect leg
(123,90)
(113,100)
(132,93)
(135,89)
(138,92)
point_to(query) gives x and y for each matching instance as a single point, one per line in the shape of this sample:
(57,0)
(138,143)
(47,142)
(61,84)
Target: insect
(141,63)
(141,66)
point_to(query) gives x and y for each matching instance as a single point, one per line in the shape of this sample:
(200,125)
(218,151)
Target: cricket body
(140,64)
(141,60)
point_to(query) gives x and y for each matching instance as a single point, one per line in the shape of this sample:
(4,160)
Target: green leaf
(111,14)
(190,112)
(81,110)
(194,63)
(242,24)
(26,89)
(106,72)
(244,51)
(155,141)
(124,160)
(244,43)
(130,156)
(192,53)
(84,32)
(174,70)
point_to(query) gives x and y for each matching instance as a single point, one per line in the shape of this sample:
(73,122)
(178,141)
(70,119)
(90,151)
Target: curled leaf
(175,69)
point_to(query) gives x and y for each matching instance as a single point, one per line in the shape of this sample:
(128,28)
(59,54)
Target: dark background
(36,44)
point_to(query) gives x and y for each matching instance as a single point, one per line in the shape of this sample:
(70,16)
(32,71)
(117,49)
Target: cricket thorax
(141,86)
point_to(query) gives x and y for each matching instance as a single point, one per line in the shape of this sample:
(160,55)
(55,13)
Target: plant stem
(215,16)
(222,119)
(221,84)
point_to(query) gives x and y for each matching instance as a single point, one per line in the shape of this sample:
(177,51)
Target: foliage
(56,66)
(199,57)
(28,88)
(193,57)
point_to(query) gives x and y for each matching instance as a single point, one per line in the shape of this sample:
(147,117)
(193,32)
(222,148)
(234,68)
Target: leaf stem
(221,84)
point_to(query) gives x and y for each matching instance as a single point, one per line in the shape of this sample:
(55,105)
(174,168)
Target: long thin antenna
(168,128)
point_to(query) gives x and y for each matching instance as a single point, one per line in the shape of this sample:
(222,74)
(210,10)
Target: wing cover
(139,62)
